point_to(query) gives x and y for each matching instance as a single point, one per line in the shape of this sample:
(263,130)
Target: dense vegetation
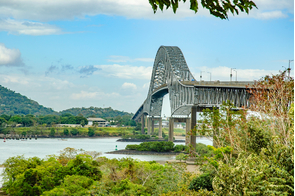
(96,112)
(161,146)
(253,154)
(12,103)
(76,172)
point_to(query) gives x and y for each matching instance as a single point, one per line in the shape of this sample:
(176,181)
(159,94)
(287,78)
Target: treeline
(96,112)
(47,120)
(30,120)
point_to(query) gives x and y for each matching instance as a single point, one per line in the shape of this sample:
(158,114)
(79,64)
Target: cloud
(10,57)
(127,85)
(88,70)
(84,95)
(69,10)
(124,59)
(58,69)
(125,71)
(27,27)
(223,74)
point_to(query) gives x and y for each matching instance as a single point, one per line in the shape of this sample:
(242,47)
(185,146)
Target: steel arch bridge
(171,75)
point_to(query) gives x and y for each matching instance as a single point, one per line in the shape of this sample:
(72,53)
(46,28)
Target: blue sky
(83,53)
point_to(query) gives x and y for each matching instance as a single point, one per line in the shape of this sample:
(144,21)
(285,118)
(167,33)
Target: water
(50,146)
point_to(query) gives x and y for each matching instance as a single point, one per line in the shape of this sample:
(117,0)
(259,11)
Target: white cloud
(125,71)
(127,85)
(84,95)
(124,59)
(223,74)
(10,57)
(49,10)
(28,27)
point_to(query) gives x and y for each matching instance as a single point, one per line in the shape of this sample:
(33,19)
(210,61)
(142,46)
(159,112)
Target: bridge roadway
(187,95)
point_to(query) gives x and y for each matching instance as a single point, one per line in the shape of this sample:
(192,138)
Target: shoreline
(135,152)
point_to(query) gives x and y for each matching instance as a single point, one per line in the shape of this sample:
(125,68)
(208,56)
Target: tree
(254,155)
(216,7)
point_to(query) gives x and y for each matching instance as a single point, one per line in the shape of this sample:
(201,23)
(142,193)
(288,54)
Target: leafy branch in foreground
(217,8)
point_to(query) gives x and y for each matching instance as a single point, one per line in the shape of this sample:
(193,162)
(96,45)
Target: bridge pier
(149,125)
(192,139)
(187,131)
(142,124)
(160,128)
(153,126)
(171,129)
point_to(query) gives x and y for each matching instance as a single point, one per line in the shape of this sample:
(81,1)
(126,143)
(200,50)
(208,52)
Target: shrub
(66,132)
(74,131)
(90,131)
(180,148)
(52,132)
(203,150)
(204,181)
(132,147)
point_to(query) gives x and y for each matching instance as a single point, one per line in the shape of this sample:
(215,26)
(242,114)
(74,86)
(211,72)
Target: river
(49,146)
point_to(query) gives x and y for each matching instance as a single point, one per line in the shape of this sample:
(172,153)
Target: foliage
(181,157)
(204,181)
(13,103)
(180,148)
(52,132)
(139,137)
(216,8)
(203,150)
(74,131)
(53,175)
(254,151)
(91,132)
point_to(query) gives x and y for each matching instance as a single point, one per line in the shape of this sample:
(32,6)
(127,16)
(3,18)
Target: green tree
(90,131)
(52,132)
(217,8)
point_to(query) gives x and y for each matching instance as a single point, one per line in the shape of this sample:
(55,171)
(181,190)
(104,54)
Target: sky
(100,53)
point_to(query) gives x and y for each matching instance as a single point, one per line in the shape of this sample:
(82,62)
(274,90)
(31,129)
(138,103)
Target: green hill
(12,103)
(96,112)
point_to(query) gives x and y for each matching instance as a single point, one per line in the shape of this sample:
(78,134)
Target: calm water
(43,147)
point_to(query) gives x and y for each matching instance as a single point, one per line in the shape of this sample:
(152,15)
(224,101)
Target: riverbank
(135,152)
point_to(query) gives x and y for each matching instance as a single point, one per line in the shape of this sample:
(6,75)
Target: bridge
(187,95)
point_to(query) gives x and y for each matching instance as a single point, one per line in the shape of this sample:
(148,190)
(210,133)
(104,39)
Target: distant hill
(12,103)
(95,112)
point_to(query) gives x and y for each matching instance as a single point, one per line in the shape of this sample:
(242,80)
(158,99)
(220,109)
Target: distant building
(100,122)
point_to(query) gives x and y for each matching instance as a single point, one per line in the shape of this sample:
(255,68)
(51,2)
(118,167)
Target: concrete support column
(142,124)
(160,128)
(171,128)
(149,126)
(193,124)
(153,125)
(187,131)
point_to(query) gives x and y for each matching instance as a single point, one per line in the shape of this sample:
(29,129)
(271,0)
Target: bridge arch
(169,70)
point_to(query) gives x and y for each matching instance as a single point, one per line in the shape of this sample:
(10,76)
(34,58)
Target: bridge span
(172,76)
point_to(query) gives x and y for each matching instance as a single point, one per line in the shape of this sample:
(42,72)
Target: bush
(90,131)
(204,181)
(132,147)
(162,146)
(66,132)
(74,131)
(52,132)
(180,148)
(203,150)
